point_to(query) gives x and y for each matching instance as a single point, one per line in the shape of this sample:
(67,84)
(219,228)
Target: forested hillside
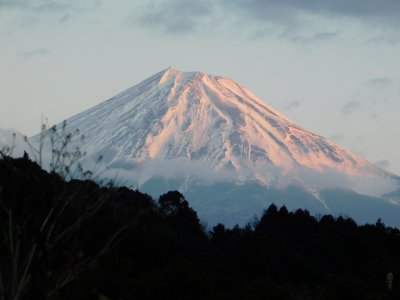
(79,240)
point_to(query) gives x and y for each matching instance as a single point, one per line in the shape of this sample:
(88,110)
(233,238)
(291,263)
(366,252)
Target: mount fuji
(229,152)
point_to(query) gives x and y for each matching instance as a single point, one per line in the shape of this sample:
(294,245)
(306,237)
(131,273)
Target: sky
(332,66)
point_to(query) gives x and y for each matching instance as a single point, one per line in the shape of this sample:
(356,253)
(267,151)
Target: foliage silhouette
(78,240)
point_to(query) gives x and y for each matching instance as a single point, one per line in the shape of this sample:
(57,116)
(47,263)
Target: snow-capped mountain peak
(228,150)
(200,117)
(195,126)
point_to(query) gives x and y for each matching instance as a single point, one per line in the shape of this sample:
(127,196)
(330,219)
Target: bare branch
(15,269)
(46,219)
(25,276)
(2,290)
(10,229)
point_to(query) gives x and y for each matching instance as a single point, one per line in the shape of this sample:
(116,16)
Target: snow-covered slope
(228,151)
(212,119)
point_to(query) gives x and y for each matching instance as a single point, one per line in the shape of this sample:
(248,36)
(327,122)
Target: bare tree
(57,141)
(8,150)
(46,248)
(30,243)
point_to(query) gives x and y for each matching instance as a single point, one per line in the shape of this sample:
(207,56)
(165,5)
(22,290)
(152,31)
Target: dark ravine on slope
(77,240)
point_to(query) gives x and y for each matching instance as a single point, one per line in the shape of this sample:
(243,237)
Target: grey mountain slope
(230,204)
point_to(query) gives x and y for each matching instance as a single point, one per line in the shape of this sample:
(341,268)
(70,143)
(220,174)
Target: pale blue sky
(333,66)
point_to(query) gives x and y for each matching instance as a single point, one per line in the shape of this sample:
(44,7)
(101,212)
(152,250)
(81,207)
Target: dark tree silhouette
(78,240)
(177,212)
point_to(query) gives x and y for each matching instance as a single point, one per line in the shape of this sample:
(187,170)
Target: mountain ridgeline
(211,119)
(230,152)
(79,240)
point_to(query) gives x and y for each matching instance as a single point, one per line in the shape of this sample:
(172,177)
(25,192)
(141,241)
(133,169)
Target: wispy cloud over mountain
(48,5)
(350,107)
(379,83)
(292,105)
(176,17)
(33,12)
(296,20)
(34,53)
(387,11)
